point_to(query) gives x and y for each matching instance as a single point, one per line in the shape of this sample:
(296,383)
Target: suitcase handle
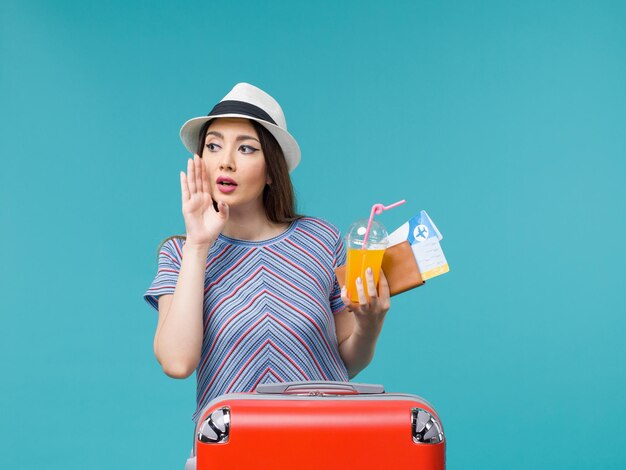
(319,388)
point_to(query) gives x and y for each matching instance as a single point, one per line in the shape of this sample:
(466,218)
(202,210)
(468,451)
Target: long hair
(279,200)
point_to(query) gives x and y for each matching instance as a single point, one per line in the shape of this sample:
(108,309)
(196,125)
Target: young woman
(250,295)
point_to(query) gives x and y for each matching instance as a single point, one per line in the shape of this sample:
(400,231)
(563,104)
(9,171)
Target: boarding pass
(424,237)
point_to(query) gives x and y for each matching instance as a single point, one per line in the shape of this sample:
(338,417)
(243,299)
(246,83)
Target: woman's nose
(228,160)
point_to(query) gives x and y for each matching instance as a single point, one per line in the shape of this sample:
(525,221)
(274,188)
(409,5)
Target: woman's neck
(252,226)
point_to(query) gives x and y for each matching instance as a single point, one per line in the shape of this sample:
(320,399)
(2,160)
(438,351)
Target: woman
(250,295)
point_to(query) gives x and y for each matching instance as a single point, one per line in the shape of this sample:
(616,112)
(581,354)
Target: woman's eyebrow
(246,137)
(215,133)
(238,139)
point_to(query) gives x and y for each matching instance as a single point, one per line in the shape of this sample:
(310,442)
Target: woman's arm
(178,338)
(358,326)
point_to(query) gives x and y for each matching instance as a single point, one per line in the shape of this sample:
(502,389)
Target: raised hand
(203,223)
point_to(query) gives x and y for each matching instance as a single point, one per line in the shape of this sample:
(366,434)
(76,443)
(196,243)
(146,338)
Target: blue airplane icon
(421,232)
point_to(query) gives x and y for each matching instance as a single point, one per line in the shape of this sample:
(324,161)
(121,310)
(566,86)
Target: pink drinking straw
(377,209)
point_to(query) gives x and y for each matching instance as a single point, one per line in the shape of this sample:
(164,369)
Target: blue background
(504,120)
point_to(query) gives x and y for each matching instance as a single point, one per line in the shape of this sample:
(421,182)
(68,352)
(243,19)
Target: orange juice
(358,261)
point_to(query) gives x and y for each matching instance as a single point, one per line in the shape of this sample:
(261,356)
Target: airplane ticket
(424,237)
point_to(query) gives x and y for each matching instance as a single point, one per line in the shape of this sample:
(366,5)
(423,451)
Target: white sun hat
(249,102)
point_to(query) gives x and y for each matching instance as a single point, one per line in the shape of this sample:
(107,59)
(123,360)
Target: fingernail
(369,270)
(358,280)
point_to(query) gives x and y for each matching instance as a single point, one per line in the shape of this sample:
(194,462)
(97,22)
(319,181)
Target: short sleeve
(165,280)
(336,302)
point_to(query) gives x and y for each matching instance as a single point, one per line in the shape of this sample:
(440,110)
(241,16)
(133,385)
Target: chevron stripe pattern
(268,308)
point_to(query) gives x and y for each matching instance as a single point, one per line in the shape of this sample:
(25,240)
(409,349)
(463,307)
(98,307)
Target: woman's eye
(247,149)
(212,147)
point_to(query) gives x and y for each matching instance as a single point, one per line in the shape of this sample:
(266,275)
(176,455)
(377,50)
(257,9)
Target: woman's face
(235,163)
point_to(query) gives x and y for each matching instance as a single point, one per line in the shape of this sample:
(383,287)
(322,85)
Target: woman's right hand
(202,222)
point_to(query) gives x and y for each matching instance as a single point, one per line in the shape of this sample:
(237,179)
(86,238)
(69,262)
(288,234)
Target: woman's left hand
(370,315)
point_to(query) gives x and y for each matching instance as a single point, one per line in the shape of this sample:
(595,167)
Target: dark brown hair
(279,199)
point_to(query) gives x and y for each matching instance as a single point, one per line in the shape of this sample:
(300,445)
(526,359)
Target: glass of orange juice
(360,257)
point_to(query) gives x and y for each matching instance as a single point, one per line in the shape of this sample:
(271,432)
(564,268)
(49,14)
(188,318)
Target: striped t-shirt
(268,308)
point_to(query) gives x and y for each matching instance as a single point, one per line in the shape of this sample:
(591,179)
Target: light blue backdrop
(505,120)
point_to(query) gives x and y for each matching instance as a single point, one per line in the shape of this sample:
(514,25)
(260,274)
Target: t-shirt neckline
(269,241)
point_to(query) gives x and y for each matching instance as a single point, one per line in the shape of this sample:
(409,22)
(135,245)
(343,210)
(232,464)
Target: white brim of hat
(190,134)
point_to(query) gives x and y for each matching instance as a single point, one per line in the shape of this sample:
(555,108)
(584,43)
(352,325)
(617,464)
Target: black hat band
(240,107)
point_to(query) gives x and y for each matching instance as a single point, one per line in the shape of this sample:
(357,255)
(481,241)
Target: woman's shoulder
(172,245)
(320,228)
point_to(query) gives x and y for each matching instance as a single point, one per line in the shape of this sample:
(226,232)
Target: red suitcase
(317,425)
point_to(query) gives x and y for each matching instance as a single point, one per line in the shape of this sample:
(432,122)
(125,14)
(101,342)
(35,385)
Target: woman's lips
(225,188)
(226,185)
